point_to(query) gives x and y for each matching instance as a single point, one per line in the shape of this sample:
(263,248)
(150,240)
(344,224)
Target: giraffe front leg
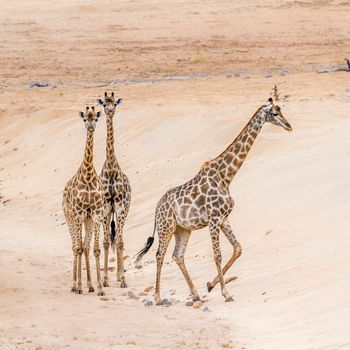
(237,251)
(86,249)
(97,253)
(106,244)
(79,252)
(75,263)
(214,234)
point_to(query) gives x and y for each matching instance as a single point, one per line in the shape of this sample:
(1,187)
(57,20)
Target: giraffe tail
(113,232)
(147,247)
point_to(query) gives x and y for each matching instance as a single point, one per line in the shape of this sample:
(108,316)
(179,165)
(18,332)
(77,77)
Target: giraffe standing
(84,203)
(205,200)
(117,193)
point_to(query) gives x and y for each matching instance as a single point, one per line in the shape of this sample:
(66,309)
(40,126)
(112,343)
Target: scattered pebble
(134,296)
(148,289)
(148,303)
(130,342)
(206,309)
(104,298)
(166,302)
(189,303)
(197,304)
(138,266)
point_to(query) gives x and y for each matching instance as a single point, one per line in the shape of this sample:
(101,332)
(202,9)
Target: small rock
(268,75)
(148,303)
(134,296)
(38,84)
(172,301)
(189,303)
(206,309)
(130,342)
(112,259)
(148,289)
(104,298)
(138,266)
(197,304)
(173,292)
(166,302)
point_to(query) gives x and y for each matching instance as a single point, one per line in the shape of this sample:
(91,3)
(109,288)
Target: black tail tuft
(146,248)
(113,233)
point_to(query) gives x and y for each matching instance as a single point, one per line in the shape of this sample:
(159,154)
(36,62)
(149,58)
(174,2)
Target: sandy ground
(191,74)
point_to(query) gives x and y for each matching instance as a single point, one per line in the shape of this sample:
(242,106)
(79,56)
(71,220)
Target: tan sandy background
(191,74)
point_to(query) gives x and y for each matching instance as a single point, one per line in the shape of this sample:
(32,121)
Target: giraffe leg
(79,252)
(164,239)
(106,239)
(237,251)
(86,248)
(70,224)
(97,253)
(119,251)
(182,236)
(214,234)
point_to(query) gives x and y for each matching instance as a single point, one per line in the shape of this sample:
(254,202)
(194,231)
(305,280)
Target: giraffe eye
(96,120)
(274,114)
(84,120)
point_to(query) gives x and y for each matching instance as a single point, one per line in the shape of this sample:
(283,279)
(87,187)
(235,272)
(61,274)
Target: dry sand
(191,74)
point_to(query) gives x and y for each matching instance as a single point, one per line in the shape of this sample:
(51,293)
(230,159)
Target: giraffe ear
(81,114)
(119,101)
(99,101)
(98,114)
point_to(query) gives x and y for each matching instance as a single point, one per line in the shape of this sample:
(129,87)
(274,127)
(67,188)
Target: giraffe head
(90,118)
(274,115)
(109,104)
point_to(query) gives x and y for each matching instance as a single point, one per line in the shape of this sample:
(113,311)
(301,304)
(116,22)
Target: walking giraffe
(117,194)
(83,203)
(205,200)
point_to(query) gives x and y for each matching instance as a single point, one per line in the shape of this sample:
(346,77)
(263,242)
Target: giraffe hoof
(158,301)
(229,299)
(105,284)
(74,289)
(101,293)
(209,287)
(196,298)
(79,291)
(123,285)
(91,289)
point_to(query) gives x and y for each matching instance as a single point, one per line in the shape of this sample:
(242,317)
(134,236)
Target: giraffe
(117,193)
(205,200)
(84,203)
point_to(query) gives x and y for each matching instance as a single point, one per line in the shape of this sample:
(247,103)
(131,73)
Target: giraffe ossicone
(205,200)
(84,204)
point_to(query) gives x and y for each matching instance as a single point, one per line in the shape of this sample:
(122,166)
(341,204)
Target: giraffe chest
(86,200)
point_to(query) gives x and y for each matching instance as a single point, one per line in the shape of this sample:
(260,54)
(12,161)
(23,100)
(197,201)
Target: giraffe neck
(229,162)
(110,155)
(87,168)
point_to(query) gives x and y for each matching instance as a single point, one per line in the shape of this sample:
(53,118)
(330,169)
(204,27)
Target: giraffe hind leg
(182,236)
(106,239)
(164,239)
(237,251)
